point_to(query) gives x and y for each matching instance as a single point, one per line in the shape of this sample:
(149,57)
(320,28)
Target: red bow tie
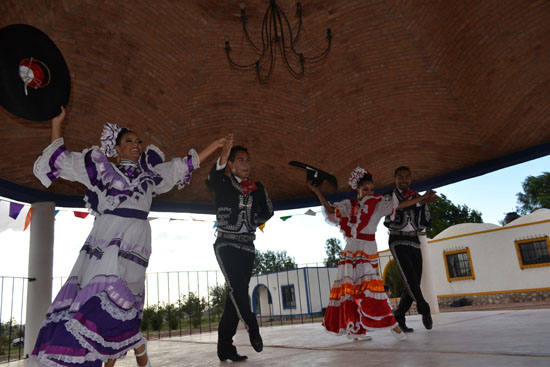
(409,194)
(248,186)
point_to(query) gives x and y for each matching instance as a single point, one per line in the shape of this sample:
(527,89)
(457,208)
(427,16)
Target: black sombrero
(315,175)
(34,78)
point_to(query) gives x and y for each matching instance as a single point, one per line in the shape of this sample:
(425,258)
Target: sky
(185,244)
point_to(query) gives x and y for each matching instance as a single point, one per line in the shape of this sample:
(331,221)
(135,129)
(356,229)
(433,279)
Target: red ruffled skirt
(357,299)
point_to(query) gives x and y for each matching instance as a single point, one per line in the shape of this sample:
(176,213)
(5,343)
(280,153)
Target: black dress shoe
(427,321)
(256,342)
(405,328)
(235,357)
(401,322)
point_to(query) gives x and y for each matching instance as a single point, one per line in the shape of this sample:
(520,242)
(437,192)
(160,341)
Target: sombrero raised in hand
(316,175)
(34,78)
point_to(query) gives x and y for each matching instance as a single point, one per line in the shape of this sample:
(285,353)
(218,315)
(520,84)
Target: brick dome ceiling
(452,89)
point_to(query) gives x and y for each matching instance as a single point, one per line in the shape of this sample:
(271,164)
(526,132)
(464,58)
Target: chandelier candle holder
(276,33)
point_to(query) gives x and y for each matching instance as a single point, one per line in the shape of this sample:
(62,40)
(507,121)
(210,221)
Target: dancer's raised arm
(329,208)
(56,124)
(428,197)
(218,143)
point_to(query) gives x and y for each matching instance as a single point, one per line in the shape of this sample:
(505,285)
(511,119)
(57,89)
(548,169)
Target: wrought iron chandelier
(276,34)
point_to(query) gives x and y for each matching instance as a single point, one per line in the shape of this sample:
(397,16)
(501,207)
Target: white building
(489,263)
(297,292)
(483,262)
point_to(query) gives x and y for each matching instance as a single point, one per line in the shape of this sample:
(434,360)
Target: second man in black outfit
(241,206)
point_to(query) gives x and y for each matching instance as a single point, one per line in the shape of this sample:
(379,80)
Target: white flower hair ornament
(108,139)
(356,175)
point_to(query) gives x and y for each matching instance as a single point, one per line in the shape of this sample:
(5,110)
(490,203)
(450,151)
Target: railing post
(39,295)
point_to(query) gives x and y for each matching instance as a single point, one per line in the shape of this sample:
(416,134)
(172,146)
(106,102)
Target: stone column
(428,285)
(39,293)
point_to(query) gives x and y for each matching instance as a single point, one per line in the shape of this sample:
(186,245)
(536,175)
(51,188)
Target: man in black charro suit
(241,206)
(405,247)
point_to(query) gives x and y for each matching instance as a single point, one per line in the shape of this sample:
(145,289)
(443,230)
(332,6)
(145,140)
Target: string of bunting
(16,208)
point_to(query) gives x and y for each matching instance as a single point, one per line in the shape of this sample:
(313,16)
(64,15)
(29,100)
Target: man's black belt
(406,234)
(239,237)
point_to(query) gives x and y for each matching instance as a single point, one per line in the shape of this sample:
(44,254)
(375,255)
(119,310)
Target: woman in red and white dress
(357,299)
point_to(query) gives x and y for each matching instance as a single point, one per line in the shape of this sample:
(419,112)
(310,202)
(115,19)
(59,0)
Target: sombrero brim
(20,41)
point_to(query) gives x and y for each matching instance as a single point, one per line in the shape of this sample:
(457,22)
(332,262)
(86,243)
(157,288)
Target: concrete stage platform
(472,338)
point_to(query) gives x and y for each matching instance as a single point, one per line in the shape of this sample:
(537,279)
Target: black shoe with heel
(235,357)
(256,342)
(427,321)
(401,321)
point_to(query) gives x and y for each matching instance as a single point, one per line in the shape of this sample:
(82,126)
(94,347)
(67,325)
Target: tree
(394,280)
(272,261)
(194,307)
(535,195)
(333,251)
(218,294)
(446,214)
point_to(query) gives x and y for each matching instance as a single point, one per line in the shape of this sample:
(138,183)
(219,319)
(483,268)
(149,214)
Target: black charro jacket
(234,209)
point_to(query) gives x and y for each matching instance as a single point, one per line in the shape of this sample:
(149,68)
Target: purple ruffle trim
(112,183)
(54,162)
(133,252)
(99,331)
(187,178)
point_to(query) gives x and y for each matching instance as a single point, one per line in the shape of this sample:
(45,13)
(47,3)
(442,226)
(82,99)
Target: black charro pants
(409,260)
(236,261)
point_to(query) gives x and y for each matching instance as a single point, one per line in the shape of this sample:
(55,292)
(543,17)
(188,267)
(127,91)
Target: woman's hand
(313,188)
(329,208)
(218,143)
(226,149)
(56,124)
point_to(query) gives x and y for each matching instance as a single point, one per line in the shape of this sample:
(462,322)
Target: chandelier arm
(271,63)
(326,51)
(266,32)
(296,73)
(233,63)
(284,47)
(295,39)
(247,35)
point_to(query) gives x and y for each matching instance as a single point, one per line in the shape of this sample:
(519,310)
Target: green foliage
(333,251)
(188,307)
(446,214)
(218,294)
(194,307)
(394,280)
(272,261)
(10,330)
(535,195)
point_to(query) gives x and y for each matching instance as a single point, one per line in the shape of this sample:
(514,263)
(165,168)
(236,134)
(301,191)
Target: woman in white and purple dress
(96,315)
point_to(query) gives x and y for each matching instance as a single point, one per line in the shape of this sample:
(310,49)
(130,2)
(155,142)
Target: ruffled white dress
(357,299)
(97,313)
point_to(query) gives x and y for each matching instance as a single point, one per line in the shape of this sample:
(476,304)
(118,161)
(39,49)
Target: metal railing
(13,297)
(186,302)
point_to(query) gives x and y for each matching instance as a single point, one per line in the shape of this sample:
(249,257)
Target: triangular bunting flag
(81,214)
(285,217)
(310,212)
(57,211)
(262,227)
(215,224)
(15,209)
(28,219)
